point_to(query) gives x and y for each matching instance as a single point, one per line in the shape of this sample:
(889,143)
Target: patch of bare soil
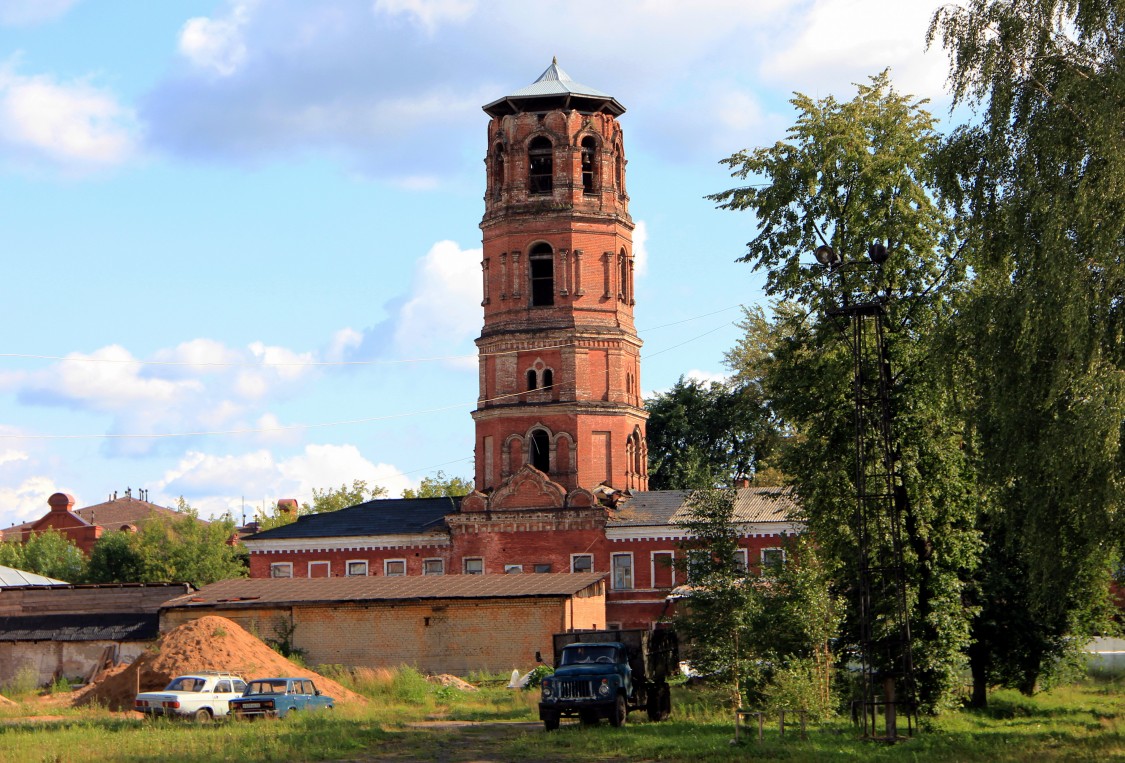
(453,742)
(209,643)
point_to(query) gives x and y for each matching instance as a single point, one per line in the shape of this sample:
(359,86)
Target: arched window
(589,158)
(498,171)
(531,380)
(540,454)
(618,170)
(541,171)
(541,258)
(548,378)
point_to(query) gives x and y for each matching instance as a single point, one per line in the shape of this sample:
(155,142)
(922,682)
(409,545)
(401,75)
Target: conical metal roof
(555,90)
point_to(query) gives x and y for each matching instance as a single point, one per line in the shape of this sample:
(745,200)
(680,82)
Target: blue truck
(605,674)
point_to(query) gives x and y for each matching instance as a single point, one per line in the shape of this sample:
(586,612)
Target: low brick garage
(441,624)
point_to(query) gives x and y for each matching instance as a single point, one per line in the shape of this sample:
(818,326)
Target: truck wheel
(551,722)
(620,711)
(659,703)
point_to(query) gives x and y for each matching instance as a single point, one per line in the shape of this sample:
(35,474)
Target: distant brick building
(85,526)
(560,451)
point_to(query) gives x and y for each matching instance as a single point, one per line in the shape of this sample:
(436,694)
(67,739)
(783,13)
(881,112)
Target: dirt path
(453,742)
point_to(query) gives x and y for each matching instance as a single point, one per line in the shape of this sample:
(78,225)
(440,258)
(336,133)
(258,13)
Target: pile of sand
(209,643)
(453,681)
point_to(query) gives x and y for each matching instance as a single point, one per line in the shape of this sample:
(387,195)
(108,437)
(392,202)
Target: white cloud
(343,341)
(428,13)
(26,501)
(217,45)
(839,42)
(31,12)
(11,455)
(218,483)
(640,249)
(72,126)
(443,311)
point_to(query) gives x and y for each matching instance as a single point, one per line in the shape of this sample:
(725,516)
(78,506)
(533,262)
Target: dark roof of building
(270,591)
(411,516)
(555,90)
(387,516)
(101,626)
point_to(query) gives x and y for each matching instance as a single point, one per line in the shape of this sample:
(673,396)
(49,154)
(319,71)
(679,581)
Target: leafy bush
(535,678)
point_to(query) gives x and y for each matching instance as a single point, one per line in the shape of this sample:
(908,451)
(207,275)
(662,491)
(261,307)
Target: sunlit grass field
(409,718)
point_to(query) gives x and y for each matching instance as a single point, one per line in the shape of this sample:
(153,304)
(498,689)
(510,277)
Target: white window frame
(348,568)
(513,569)
(465,565)
(613,571)
(653,567)
(386,568)
(319,562)
(762,558)
(574,557)
(439,560)
(276,567)
(742,560)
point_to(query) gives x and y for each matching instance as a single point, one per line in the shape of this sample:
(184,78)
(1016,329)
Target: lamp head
(826,255)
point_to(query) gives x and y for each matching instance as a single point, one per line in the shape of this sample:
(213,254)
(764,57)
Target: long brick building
(560,450)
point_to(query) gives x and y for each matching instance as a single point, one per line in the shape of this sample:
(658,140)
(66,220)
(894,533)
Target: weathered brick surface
(437,636)
(585,337)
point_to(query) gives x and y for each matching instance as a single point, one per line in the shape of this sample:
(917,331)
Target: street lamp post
(884,624)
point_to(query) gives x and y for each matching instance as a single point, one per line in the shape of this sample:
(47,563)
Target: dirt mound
(209,643)
(5,702)
(453,681)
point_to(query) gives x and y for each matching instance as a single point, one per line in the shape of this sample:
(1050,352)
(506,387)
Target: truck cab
(596,677)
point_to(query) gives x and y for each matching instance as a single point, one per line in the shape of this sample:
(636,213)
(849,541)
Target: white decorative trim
(664,532)
(363,543)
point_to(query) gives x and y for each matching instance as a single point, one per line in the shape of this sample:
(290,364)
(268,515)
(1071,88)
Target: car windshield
(265,687)
(185,683)
(585,655)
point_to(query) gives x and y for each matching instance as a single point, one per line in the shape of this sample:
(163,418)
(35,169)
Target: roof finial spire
(555,60)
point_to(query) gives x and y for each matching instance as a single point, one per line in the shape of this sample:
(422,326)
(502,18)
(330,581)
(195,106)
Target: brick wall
(439,636)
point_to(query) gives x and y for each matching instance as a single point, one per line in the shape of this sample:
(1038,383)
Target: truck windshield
(586,655)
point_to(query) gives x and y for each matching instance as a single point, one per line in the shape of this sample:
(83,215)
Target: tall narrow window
(541,170)
(542,261)
(589,157)
(498,171)
(540,450)
(548,378)
(621,566)
(531,380)
(623,266)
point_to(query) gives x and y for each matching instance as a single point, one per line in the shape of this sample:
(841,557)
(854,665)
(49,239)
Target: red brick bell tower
(559,355)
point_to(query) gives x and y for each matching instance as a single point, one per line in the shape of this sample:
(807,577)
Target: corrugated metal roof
(259,591)
(92,627)
(671,507)
(387,516)
(10,576)
(554,81)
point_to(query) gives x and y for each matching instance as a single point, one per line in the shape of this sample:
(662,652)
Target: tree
(717,616)
(852,173)
(323,501)
(440,486)
(1037,184)
(180,550)
(48,553)
(704,435)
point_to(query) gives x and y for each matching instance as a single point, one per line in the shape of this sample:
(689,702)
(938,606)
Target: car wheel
(620,711)
(202,715)
(551,722)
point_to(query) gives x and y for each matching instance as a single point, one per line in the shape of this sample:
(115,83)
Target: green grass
(409,718)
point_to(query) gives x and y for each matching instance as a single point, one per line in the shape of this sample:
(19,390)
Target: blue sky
(241,237)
